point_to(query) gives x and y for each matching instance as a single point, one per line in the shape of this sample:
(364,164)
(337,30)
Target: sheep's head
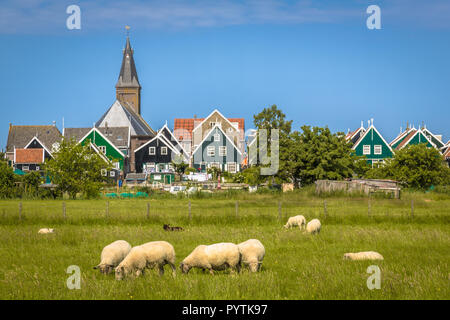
(120,272)
(347,256)
(104,268)
(254,266)
(166,226)
(184,267)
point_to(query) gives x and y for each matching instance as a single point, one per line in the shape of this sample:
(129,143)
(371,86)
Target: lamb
(45,230)
(252,254)
(313,226)
(217,256)
(148,255)
(112,255)
(299,221)
(365,255)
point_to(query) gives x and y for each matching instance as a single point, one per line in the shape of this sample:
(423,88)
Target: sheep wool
(313,226)
(299,221)
(365,255)
(252,254)
(45,231)
(148,255)
(217,256)
(112,255)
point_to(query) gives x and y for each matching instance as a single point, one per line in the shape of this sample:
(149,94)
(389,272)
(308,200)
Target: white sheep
(148,255)
(313,226)
(112,255)
(299,221)
(365,255)
(45,230)
(252,254)
(217,256)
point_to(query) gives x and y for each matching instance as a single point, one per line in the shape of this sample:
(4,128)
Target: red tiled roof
(447,153)
(183,127)
(29,155)
(406,139)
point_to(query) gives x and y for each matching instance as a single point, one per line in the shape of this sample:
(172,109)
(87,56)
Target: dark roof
(20,136)
(128,75)
(137,123)
(117,135)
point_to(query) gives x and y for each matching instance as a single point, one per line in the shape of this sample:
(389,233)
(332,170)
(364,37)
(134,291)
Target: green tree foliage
(415,166)
(319,154)
(76,168)
(6,180)
(32,180)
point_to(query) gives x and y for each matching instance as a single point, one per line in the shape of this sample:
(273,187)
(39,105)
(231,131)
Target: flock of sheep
(126,260)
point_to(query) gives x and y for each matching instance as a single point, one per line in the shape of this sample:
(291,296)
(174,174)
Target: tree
(415,166)
(6,180)
(319,154)
(32,180)
(76,168)
(180,166)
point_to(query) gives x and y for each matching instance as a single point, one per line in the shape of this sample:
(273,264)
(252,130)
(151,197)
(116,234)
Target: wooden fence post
(279,210)
(64,210)
(190,217)
(237,209)
(412,208)
(148,210)
(20,210)
(325,208)
(369,207)
(107,208)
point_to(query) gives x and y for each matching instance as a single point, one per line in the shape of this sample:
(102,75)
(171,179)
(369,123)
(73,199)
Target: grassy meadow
(415,245)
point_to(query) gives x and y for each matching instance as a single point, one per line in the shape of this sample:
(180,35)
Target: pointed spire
(128,75)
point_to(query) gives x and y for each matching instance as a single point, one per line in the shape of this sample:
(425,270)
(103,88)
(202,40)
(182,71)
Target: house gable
(415,137)
(438,143)
(373,138)
(35,143)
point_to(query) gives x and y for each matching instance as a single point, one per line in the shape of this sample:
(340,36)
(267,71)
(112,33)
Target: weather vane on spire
(128,30)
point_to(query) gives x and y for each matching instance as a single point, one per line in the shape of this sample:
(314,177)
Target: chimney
(195,116)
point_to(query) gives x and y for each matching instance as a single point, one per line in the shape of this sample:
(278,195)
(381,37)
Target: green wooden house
(413,137)
(217,150)
(105,146)
(373,146)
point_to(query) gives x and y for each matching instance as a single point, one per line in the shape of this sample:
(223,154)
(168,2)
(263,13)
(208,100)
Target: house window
(223,151)
(112,173)
(212,124)
(116,165)
(366,149)
(164,151)
(211,151)
(37,168)
(25,168)
(215,165)
(377,149)
(151,151)
(216,137)
(102,149)
(104,172)
(231,167)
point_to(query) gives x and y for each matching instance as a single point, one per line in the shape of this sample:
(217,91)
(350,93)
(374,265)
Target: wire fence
(218,211)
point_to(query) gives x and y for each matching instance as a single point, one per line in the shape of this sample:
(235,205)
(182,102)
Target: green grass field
(297,266)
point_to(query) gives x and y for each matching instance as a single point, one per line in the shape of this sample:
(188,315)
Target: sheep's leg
(238,267)
(161,270)
(173,268)
(211,271)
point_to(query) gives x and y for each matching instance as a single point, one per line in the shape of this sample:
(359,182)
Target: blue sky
(315,59)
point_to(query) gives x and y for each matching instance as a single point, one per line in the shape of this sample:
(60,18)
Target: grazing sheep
(252,254)
(365,255)
(148,255)
(217,256)
(313,226)
(299,221)
(169,228)
(112,255)
(45,231)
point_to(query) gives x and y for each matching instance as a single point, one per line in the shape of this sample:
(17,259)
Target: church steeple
(128,88)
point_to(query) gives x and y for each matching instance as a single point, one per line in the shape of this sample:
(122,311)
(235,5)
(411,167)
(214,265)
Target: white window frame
(112,173)
(215,165)
(377,149)
(365,152)
(152,151)
(116,165)
(211,151)
(216,137)
(102,149)
(37,168)
(235,167)
(164,151)
(222,151)
(25,168)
